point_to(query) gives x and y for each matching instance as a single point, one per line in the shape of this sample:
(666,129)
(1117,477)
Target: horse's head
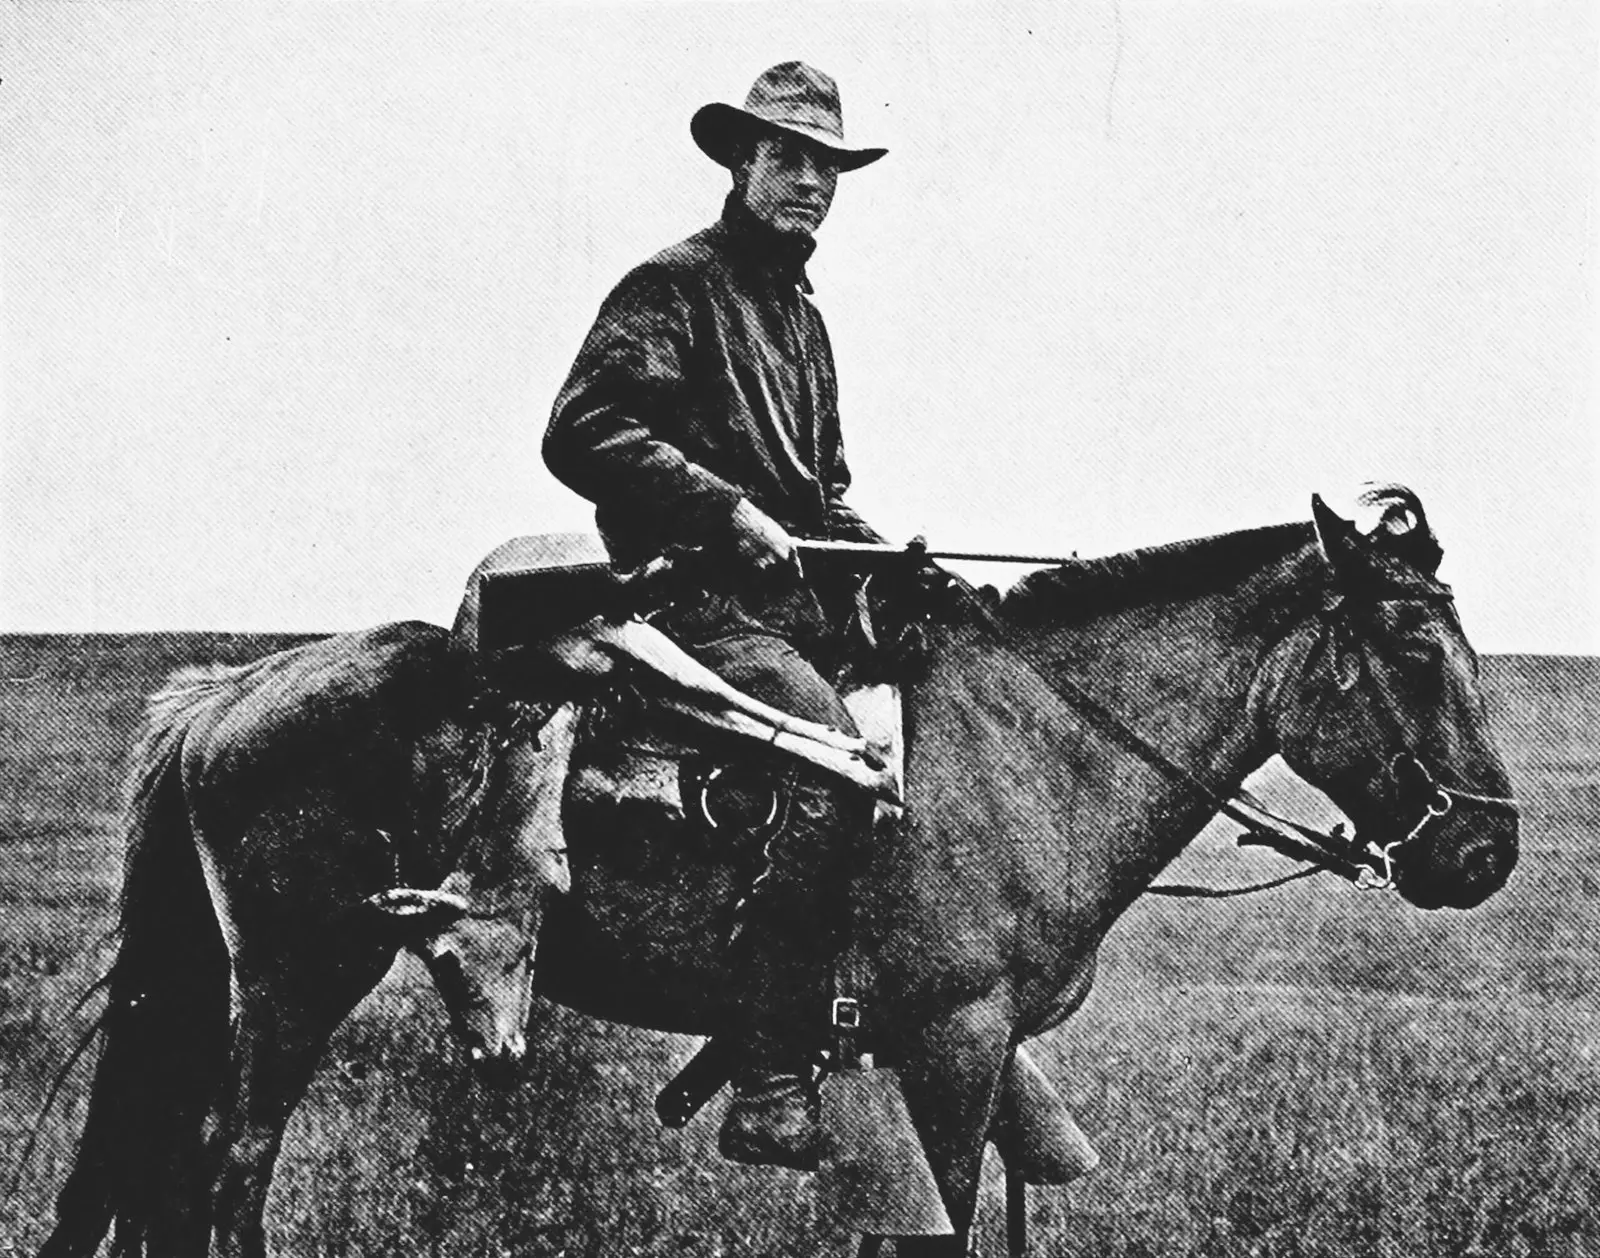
(1375,699)
(478,932)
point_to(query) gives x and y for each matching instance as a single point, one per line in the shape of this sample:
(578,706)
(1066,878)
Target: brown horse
(1034,822)
(292,824)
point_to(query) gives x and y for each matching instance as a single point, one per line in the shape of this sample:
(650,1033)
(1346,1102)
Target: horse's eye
(1407,634)
(1404,619)
(1419,648)
(1419,665)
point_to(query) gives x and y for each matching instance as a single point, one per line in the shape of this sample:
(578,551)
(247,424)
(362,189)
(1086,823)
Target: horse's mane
(1084,589)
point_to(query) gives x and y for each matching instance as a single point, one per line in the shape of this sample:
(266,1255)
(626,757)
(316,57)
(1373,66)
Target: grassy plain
(1309,1072)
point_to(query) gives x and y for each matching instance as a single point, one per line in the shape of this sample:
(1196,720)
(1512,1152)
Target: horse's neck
(1171,673)
(1180,677)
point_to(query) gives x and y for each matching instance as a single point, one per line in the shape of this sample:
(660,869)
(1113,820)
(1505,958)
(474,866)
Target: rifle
(917,550)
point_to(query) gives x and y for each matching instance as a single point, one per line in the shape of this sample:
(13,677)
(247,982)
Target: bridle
(1402,762)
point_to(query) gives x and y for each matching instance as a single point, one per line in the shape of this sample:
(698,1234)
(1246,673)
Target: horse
(291,825)
(1036,815)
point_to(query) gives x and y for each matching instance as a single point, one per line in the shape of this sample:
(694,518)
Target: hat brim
(720,129)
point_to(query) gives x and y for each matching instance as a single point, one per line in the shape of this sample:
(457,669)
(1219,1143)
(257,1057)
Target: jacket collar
(783,255)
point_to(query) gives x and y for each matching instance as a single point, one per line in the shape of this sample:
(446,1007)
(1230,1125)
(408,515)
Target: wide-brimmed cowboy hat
(792,97)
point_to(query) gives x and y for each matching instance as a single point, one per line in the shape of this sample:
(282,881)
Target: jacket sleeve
(609,437)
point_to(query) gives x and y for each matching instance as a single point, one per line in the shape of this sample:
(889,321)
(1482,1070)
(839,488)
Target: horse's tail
(140,1164)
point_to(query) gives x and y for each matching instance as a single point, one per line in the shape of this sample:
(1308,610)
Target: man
(702,412)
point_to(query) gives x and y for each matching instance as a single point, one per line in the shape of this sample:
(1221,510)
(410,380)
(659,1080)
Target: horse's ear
(1340,543)
(1403,532)
(1390,527)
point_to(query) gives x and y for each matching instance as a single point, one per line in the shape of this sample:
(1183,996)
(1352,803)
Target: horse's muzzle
(1462,867)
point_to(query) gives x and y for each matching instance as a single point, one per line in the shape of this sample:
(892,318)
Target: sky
(287,290)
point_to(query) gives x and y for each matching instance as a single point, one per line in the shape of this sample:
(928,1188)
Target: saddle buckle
(846,1013)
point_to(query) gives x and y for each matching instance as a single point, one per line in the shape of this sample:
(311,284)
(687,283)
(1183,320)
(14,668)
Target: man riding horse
(702,412)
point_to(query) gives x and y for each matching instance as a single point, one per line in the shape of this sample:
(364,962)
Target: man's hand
(760,540)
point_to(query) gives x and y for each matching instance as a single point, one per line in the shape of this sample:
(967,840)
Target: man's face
(788,184)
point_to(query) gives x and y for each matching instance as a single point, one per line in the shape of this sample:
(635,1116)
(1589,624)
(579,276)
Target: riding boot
(790,928)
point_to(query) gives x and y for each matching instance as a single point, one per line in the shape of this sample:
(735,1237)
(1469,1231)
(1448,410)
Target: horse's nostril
(1487,866)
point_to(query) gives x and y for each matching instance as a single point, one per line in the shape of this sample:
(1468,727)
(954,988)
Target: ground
(1308,1072)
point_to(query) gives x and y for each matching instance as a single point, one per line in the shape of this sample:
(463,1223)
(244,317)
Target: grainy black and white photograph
(750,629)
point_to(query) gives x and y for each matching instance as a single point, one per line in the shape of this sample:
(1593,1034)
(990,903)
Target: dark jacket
(707,376)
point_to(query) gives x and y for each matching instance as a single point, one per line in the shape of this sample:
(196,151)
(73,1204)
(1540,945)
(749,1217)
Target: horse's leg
(180,1226)
(286,1019)
(951,1073)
